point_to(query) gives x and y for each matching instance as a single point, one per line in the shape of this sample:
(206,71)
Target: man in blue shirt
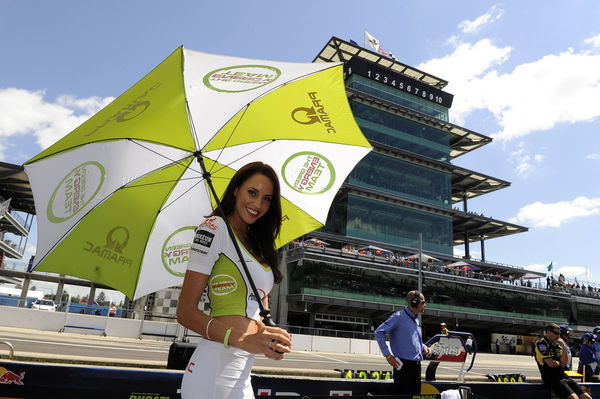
(406,342)
(587,358)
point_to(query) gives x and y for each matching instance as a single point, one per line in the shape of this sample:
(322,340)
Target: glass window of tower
(403,178)
(396,131)
(394,224)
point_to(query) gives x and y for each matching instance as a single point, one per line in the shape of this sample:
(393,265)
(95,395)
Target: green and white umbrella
(118,198)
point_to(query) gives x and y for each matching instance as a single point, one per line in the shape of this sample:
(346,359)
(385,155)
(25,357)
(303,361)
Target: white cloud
(25,111)
(593,156)
(535,96)
(594,41)
(555,214)
(572,271)
(467,62)
(492,15)
(464,69)
(525,162)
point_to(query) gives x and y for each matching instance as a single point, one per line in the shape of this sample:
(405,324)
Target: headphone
(415,300)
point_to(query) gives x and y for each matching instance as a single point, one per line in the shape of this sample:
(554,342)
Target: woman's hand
(273,342)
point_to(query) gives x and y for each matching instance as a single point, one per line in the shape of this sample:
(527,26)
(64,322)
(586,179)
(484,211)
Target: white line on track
(324,357)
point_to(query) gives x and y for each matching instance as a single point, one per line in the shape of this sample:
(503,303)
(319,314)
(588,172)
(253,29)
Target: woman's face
(253,198)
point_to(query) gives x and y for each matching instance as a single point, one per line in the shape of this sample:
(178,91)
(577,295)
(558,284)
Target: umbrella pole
(265,313)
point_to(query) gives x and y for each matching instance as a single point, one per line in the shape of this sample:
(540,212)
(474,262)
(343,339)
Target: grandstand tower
(409,186)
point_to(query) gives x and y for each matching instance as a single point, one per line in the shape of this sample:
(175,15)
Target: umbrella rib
(192,126)
(230,136)
(157,182)
(173,161)
(242,157)
(182,194)
(294,80)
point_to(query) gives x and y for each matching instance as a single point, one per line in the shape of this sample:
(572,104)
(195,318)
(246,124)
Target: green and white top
(229,292)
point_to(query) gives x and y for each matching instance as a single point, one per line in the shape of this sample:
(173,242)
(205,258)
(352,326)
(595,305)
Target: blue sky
(527,76)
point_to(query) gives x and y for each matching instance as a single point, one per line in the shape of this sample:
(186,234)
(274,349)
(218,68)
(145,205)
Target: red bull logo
(8,377)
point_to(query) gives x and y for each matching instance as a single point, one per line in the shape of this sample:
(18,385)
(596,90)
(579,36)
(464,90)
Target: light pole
(420,275)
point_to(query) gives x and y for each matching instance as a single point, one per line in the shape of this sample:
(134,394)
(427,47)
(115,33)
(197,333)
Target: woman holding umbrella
(221,364)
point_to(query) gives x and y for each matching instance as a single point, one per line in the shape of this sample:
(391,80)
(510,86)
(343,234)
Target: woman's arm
(188,314)
(273,342)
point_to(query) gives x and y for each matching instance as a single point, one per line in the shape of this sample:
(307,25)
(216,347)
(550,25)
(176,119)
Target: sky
(526,73)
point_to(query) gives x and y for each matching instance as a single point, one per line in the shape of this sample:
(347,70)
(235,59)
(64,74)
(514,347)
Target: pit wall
(11,316)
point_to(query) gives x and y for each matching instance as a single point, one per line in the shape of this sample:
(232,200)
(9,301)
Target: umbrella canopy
(457,264)
(462,266)
(373,250)
(424,258)
(118,198)
(530,276)
(315,242)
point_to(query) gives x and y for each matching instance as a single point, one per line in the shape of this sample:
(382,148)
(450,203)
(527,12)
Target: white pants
(216,372)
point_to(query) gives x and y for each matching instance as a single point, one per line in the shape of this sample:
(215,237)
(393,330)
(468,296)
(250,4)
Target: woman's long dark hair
(263,232)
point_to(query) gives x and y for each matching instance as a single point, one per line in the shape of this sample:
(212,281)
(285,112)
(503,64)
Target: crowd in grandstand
(469,271)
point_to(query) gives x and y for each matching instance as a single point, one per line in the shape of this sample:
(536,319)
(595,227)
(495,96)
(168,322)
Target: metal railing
(11,349)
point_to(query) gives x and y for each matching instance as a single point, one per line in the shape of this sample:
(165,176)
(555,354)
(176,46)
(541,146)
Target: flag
(353,42)
(372,42)
(550,266)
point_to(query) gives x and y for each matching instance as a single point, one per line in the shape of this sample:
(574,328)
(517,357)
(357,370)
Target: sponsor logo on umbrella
(75,191)
(116,240)
(308,173)
(223,284)
(131,110)
(314,114)
(240,78)
(176,251)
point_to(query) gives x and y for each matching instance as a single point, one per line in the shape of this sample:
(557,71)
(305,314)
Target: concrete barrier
(11,316)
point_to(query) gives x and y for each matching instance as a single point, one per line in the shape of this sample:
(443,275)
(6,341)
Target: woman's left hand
(273,342)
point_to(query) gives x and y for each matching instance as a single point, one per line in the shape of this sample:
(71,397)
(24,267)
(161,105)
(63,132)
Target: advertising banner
(37,380)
